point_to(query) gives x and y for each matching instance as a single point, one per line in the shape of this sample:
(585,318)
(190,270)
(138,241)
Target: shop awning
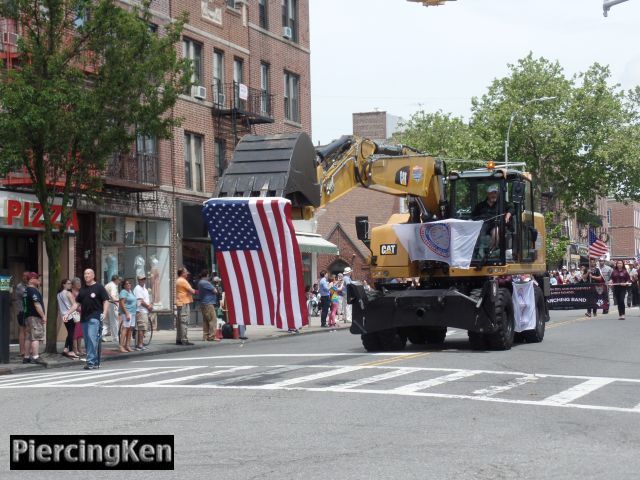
(313,243)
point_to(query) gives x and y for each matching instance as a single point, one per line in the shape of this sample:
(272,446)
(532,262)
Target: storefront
(130,247)
(310,245)
(21,242)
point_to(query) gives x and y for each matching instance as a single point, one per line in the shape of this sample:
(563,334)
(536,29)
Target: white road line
(22,379)
(144,375)
(376,378)
(434,382)
(310,378)
(280,355)
(494,390)
(89,374)
(580,390)
(254,376)
(169,381)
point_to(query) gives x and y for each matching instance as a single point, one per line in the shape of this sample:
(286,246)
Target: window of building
(193,162)
(609,216)
(292,97)
(231,4)
(636,218)
(192,50)
(219,157)
(218,77)
(265,108)
(290,18)
(133,246)
(238,67)
(262,10)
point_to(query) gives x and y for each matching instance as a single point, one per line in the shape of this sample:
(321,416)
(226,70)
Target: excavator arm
(288,165)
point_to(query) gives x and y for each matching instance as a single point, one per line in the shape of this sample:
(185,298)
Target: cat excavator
(414,300)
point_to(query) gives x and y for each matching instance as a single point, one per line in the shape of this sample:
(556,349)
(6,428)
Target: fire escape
(237,109)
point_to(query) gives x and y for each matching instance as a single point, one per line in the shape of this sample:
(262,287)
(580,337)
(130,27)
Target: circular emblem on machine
(437,237)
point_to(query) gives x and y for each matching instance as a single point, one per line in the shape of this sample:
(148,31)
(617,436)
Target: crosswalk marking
(310,378)
(578,391)
(250,377)
(495,390)
(169,381)
(434,382)
(374,379)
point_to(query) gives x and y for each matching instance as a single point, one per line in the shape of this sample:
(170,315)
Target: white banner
(450,241)
(524,306)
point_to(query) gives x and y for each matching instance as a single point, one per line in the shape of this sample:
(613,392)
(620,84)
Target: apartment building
(623,221)
(251,75)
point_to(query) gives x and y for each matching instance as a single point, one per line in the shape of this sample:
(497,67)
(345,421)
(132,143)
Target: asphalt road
(318,406)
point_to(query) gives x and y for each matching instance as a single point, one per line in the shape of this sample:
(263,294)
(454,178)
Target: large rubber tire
(390,340)
(435,335)
(477,341)
(502,339)
(416,335)
(371,342)
(536,335)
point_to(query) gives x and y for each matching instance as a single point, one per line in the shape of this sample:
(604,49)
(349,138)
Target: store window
(132,247)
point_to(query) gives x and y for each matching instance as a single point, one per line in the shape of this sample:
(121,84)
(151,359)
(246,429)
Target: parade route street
(317,406)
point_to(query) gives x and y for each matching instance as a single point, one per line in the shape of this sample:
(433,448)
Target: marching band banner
(450,241)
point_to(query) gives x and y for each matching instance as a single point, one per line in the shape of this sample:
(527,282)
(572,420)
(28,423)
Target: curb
(19,368)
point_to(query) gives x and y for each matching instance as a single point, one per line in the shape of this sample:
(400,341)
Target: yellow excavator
(415,300)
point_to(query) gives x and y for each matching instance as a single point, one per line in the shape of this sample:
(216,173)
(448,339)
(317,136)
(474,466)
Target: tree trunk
(54,248)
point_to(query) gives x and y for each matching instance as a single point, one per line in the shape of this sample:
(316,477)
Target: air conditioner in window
(219,99)
(199,91)
(10,38)
(287,32)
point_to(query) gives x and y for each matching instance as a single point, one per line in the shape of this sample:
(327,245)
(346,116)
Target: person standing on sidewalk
(93,300)
(142,311)
(325,299)
(111,323)
(128,307)
(184,299)
(18,303)
(35,319)
(346,308)
(65,302)
(208,302)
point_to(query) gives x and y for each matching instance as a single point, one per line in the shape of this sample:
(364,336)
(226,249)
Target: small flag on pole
(597,247)
(259,260)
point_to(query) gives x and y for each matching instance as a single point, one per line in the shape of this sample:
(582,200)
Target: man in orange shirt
(184,299)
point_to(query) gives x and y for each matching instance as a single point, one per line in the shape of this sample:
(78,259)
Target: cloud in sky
(399,57)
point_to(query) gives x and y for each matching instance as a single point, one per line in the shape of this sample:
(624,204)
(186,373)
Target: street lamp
(514,115)
(607,4)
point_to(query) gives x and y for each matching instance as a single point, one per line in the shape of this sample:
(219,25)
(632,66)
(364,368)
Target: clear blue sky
(398,56)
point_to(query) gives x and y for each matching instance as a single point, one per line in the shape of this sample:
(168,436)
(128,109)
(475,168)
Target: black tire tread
(502,339)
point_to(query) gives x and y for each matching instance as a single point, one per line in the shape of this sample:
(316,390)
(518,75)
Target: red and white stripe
(598,248)
(266,287)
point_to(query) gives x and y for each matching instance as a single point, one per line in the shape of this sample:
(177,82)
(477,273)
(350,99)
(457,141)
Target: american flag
(597,247)
(259,260)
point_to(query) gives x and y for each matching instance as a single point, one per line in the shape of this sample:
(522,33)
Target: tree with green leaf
(556,243)
(91,76)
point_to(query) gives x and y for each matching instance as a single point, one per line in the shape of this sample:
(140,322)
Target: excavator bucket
(273,166)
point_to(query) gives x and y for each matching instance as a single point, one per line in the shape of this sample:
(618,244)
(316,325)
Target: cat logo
(402,176)
(388,249)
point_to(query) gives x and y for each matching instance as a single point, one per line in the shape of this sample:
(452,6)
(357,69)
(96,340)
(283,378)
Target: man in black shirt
(94,302)
(594,276)
(487,210)
(35,319)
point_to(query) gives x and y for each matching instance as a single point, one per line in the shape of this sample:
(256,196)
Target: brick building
(251,75)
(378,126)
(623,222)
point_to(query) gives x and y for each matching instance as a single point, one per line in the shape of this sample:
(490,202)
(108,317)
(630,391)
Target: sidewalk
(163,342)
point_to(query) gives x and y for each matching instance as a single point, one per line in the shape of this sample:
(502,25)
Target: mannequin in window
(138,265)
(155,280)
(111,262)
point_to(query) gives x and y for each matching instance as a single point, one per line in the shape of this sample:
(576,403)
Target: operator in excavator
(487,210)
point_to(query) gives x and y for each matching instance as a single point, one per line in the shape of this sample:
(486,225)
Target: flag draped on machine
(451,241)
(597,247)
(259,260)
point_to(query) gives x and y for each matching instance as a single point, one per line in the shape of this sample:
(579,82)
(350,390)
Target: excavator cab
(494,197)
